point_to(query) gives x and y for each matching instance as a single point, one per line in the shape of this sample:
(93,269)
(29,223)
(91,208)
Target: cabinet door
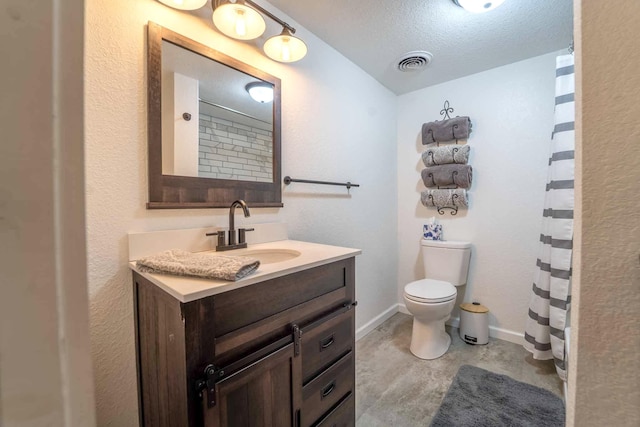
(259,395)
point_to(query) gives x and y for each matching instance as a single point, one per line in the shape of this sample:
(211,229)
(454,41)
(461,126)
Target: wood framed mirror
(209,142)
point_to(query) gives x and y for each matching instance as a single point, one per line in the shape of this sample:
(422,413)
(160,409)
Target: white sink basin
(270,256)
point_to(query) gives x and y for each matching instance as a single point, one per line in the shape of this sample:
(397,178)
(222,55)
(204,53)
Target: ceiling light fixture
(260,91)
(478,6)
(243,20)
(184,4)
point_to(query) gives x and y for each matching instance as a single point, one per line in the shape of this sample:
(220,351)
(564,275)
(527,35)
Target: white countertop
(187,289)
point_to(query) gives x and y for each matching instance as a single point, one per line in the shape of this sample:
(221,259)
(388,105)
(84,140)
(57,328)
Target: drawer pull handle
(326,343)
(326,391)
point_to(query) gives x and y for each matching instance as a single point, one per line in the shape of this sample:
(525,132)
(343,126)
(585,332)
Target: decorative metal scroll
(446,110)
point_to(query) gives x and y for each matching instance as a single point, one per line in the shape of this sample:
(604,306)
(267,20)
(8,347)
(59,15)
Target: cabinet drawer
(327,389)
(324,342)
(343,415)
(250,304)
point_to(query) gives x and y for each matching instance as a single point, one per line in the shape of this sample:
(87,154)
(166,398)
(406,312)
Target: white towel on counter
(206,265)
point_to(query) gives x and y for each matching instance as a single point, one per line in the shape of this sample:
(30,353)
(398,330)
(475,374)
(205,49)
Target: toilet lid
(430,291)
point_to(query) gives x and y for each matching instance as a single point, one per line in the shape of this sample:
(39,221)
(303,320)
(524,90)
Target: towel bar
(288,180)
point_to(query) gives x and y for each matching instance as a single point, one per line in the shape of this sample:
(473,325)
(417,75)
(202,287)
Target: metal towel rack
(288,180)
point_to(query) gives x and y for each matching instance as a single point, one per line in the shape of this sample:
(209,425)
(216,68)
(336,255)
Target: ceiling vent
(414,61)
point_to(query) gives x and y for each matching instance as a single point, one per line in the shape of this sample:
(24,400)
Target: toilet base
(429,340)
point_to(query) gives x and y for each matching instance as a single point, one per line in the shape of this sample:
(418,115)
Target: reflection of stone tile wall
(229,150)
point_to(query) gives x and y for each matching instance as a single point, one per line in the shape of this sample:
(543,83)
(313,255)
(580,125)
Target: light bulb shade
(260,91)
(237,20)
(285,47)
(478,6)
(184,4)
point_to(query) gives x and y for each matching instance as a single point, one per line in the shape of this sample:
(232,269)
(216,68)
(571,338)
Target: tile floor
(396,389)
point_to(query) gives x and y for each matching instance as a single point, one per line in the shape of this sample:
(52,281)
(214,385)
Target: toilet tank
(446,260)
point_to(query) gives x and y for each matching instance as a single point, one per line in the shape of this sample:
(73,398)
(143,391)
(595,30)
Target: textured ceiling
(375,34)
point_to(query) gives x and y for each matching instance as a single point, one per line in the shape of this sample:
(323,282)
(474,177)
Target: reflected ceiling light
(260,91)
(184,4)
(285,47)
(237,20)
(478,6)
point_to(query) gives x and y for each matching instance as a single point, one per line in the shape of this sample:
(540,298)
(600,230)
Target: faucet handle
(220,235)
(242,236)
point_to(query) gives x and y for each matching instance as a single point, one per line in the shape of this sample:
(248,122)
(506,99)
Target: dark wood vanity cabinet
(277,353)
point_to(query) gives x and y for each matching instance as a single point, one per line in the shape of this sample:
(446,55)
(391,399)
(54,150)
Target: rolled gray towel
(447,175)
(446,130)
(446,154)
(452,198)
(207,265)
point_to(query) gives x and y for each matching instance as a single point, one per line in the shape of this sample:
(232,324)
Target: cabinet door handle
(327,342)
(326,391)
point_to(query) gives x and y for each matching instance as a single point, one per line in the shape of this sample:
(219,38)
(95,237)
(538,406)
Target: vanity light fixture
(285,47)
(260,91)
(243,20)
(237,20)
(478,6)
(184,4)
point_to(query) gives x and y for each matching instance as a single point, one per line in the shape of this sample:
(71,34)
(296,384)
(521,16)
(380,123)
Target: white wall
(338,124)
(511,108)
(604,369)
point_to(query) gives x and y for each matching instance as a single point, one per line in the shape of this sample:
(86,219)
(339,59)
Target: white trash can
(474,323)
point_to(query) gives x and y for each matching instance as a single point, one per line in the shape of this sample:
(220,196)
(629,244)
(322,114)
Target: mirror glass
(212,127)
(210,142)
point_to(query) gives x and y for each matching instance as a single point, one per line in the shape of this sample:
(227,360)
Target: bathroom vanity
(274,349)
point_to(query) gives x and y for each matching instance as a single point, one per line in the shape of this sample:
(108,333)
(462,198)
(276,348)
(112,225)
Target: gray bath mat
(481,398)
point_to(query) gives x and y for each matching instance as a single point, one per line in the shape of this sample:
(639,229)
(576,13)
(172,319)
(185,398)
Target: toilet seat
(430,291)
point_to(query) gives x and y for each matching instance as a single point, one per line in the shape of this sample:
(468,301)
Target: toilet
(431,300)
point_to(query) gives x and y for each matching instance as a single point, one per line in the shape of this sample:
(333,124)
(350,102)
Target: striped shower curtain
(551,296)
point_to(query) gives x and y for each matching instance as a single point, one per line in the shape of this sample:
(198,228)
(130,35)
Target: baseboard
(376,321)
(506,335)
(403,309)
(494,331)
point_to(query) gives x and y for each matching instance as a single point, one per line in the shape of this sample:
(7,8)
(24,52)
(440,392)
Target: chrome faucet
(241,243)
